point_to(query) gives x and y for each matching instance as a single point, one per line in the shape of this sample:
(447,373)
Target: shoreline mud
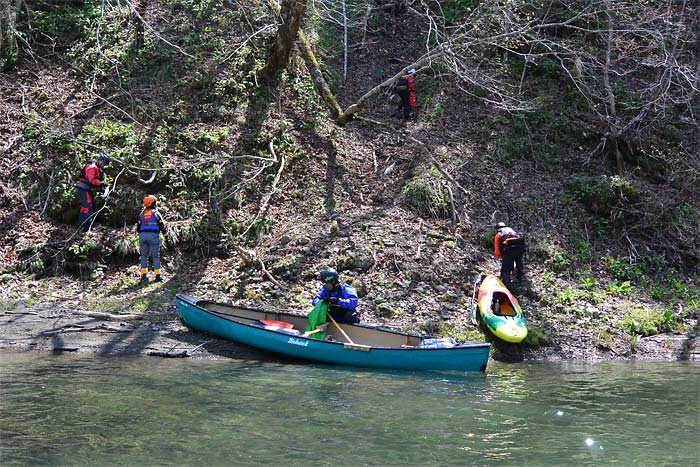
(58,330)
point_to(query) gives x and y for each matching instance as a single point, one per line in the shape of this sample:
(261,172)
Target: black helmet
(500,225)
(329,275)
(105,158)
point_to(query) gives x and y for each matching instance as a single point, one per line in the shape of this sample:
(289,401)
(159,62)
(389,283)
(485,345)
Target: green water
(75,410)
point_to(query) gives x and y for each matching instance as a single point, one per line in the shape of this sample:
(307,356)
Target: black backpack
(513,242)
(402,85)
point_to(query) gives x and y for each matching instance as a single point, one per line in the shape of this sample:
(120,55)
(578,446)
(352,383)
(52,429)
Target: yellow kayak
(500,310)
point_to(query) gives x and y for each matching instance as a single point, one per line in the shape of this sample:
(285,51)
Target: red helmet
(149,201)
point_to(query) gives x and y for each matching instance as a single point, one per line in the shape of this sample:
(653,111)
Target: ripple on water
(84,410)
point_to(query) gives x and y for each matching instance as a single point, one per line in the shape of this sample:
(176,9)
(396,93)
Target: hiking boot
(158,278)
(143,280)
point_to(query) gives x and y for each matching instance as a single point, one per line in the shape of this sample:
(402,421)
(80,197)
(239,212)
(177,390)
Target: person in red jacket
(91,178)
(510,247)
(404,88)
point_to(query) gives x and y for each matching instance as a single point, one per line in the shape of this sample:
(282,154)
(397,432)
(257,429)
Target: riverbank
(107,318)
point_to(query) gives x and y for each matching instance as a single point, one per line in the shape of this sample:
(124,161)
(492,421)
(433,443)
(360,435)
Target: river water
(93,411)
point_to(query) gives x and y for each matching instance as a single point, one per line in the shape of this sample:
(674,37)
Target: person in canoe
(342,298)
(510,247)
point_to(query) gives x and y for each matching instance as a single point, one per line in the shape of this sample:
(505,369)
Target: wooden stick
(339,328)
(308,333)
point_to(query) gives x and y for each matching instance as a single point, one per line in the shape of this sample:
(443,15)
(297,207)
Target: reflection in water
(58,410)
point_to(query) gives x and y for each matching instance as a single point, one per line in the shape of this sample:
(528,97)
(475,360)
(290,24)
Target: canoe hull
(465,357)
(510,328)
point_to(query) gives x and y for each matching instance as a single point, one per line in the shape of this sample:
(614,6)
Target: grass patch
(106,305)
(147,303)
(646,322)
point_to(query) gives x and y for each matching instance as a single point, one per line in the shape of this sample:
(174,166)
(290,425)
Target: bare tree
(8,40)
(291,15)
(635,63)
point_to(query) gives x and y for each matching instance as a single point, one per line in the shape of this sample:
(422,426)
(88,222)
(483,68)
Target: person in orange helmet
(150,226)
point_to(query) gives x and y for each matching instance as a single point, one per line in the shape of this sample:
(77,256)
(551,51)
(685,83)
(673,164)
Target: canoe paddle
(350,345)
(308,333)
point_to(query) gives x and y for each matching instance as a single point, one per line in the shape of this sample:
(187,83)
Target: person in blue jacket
(342,298)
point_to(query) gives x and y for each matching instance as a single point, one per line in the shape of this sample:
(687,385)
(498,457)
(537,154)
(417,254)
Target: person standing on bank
(404,88)
(510,247)
(342,298)
(91,178)
(150,226)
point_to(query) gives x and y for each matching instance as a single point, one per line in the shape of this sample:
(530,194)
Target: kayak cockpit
(501,304)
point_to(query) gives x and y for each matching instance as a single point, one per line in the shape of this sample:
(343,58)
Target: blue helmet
(329,275)
(104,158)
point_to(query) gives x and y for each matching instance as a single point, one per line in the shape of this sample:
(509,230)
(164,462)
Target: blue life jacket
(149,221)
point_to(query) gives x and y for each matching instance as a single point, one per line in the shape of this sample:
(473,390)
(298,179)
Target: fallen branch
(375,122)
(262,210)
(106,316)
(78,328)
(159,353)
(171,354)
(252,257)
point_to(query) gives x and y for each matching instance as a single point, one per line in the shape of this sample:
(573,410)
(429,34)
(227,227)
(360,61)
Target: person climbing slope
(405,90)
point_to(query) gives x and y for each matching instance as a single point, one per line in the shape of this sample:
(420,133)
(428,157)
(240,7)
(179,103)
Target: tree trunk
(8,40)
(136,17)
(613,124)
(319,82)
(292,13)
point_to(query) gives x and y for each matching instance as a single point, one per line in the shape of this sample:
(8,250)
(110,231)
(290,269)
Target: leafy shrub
(567,296)
(55,20)
(589,282)
(536,338)
(559,261)
(604,196)
(625,269)
(84,249)
(427,197)
(623,288)
(645,322)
